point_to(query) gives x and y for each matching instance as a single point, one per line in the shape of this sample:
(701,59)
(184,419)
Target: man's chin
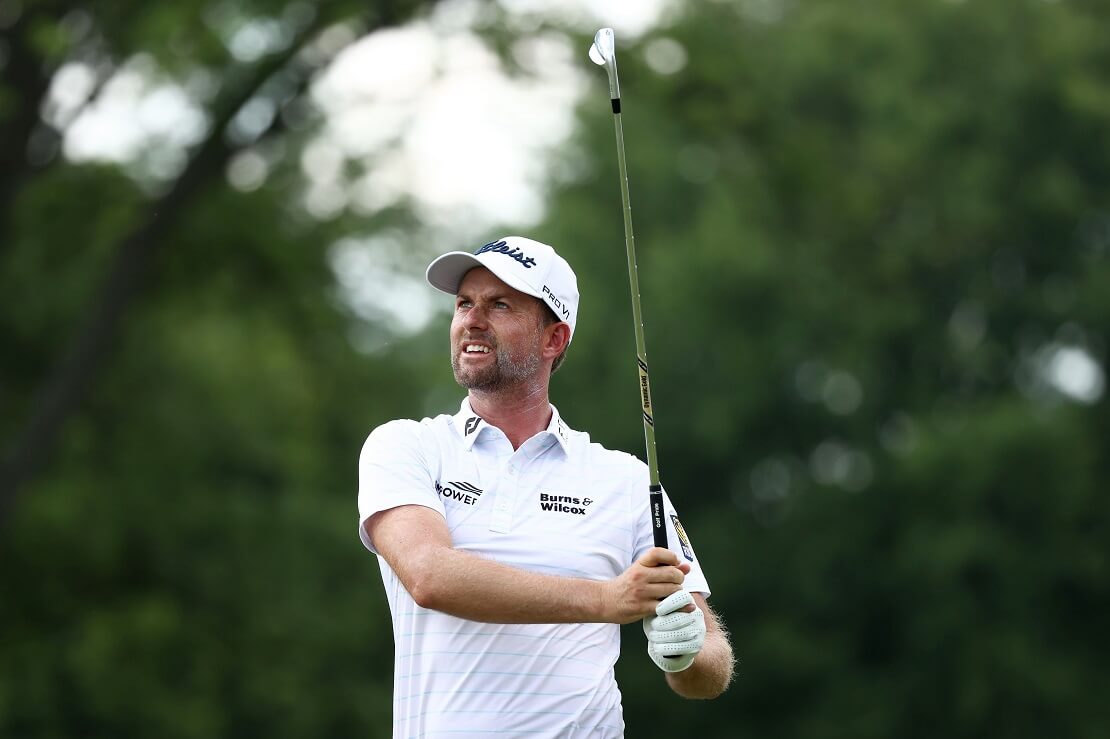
(477,380)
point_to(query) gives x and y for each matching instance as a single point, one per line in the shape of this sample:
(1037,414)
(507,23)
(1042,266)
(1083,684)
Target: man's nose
(475,317)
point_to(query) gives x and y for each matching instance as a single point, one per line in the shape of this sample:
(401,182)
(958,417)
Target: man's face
(496,334)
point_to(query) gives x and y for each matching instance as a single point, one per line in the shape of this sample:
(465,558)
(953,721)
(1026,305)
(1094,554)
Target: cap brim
(447,271)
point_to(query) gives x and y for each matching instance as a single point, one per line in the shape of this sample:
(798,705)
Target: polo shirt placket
(513,473)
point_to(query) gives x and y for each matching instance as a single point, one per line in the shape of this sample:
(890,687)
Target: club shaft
(655,489)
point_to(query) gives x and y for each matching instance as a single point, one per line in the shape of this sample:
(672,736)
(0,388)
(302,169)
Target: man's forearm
(414,541)
(711,671)
(479,589)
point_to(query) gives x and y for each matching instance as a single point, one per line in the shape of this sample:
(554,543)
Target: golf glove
(675,637)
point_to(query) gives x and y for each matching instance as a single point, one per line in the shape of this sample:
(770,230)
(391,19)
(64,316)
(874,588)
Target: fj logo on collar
(471,425)
(463,492)
(502,247)
(564,504)
(683,539)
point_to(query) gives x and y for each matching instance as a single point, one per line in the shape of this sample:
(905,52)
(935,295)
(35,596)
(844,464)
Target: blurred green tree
(253,94)
(183,409)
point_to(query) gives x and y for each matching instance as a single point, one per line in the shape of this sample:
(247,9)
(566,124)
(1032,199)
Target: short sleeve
(394,470)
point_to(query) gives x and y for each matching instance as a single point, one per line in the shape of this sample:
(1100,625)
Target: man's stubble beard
(506,372)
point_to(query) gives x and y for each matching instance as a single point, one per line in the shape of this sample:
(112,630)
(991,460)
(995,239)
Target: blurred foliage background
(874,245)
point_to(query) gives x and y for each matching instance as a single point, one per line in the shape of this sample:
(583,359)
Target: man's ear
(556,339)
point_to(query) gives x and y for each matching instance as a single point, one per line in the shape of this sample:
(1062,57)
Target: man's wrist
(601,602)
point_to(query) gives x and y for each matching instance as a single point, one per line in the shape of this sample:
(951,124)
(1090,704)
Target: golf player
(510,545)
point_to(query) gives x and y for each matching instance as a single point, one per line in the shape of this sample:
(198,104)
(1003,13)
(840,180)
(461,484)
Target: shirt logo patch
(683,539)
(564,504)
(471,425)
(463,492)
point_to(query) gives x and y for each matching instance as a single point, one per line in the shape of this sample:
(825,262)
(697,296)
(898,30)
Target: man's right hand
(638,590)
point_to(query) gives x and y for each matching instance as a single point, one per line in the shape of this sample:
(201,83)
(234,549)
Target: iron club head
(604,47)
(603,53)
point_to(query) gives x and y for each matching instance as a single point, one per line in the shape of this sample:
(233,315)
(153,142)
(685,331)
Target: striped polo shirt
(558,505)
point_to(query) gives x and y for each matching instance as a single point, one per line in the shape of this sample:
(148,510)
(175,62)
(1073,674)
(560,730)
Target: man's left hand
(675,636)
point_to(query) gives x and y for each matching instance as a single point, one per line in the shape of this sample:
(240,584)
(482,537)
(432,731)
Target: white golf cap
(522,264)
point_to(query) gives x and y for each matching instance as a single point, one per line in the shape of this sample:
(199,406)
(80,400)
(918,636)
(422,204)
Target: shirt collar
(470,426)
(559,430)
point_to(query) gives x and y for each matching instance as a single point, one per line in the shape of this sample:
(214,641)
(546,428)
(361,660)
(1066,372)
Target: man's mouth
(475,348)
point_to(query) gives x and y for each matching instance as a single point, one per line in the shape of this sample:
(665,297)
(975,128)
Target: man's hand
(675,636)
(638,590)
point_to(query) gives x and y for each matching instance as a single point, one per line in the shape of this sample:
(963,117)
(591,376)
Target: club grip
(658,517)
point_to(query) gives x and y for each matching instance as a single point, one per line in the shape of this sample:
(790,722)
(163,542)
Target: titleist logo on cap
(515,252)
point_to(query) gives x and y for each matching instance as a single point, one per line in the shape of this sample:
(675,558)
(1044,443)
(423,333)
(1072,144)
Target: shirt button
(512,469)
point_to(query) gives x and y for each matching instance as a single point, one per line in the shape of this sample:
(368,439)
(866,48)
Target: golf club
(603,53)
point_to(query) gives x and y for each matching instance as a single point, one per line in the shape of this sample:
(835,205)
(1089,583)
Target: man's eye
(500,304)
(462,304)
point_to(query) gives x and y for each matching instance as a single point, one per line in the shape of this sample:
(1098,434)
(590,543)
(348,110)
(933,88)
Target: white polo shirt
(559,505)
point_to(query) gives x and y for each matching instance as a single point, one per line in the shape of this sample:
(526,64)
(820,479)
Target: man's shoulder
(408,430)
(598,454)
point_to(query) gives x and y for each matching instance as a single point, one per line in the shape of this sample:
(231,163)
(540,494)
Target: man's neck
(520,416)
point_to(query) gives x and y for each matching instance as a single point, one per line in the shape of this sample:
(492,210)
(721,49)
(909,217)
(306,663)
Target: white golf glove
(675,637)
